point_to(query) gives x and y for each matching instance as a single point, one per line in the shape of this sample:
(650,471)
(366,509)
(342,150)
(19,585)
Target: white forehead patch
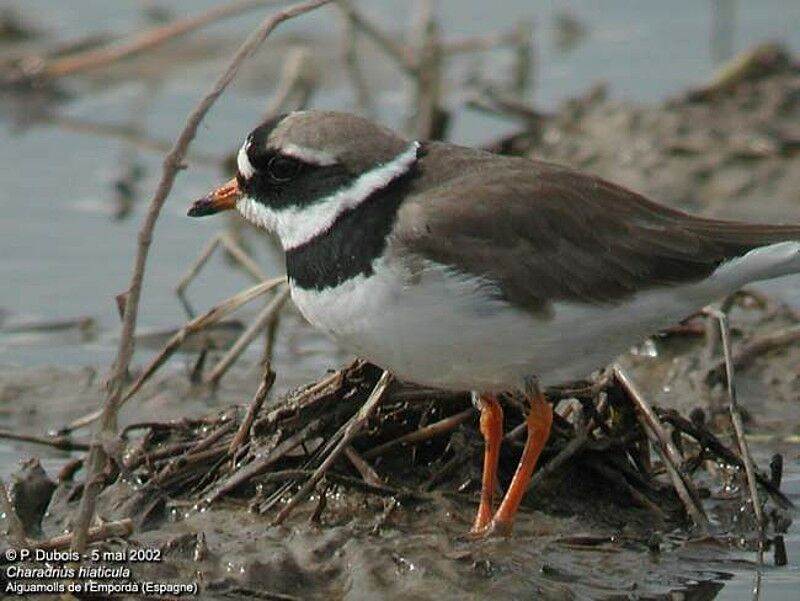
(243,162)
(309,155)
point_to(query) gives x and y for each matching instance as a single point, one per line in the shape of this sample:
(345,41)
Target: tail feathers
(761,263)
(744,235)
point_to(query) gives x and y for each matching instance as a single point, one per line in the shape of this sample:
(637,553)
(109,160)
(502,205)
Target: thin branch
(125,133)
(756,346)
(100,57)
(263,463)
(255,406)
(197,324)
(349,57)
(353,427)
(383,40)
(57,442)
(296,84)
(738,426)
(258,324)
(172,164)
(227,242)
(121,528)
(363,467)
(666,449)
(425,433)
(583,430)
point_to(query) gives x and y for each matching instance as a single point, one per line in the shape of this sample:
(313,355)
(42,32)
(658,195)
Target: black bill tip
(201,208)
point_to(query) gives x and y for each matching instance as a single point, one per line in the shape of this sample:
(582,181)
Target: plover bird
(464,270)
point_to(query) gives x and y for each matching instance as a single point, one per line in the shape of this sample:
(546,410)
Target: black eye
(282,168)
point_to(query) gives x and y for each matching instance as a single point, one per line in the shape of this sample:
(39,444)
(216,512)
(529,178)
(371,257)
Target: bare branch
(666,449)
(172,164)
(353,427)
(738,426)
(100,57)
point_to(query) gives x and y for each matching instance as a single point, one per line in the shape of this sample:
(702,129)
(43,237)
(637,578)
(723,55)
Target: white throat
(297,225)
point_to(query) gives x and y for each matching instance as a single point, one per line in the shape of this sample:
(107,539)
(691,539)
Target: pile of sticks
(359,431)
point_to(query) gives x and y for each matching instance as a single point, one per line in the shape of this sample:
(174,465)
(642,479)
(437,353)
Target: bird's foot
(494,529)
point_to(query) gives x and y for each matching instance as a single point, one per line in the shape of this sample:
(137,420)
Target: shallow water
(63,256)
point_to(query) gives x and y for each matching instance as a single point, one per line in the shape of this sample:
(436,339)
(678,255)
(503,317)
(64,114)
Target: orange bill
(222,199)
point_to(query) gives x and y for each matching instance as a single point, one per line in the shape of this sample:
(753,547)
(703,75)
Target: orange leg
(492,430)
(540,419)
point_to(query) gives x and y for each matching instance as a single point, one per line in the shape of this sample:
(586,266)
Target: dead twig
(422,434)
(666,449)
(261,465)
(429,120)
(147,40)
(296,85)
(352,67)
(57,442)
(710,443)
(738,426)
(377,35)
(309,395)
(363,467)
(353,427)
(756,347)
(618,480)
(255,406)
(226,241)
(583,429)
(172,164)
(259,323)
(211,316)
(116,529)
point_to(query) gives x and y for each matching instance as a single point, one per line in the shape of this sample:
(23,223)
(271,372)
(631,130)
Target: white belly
(447,332)
(444,330)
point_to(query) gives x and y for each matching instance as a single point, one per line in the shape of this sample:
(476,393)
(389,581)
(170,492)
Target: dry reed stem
(227,241)
(172,164)
(197,324)
(425,433)
(100,57)
(57,442)
(392,48)
(259,323)
(349,57)
(353,427)
(762,344)
(294,79)
(429,77)
(363,467)
(125,133)
(262,464)
(255,406)
(666,449)
(116,529)
(738,426)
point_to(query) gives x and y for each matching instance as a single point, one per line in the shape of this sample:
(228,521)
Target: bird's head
(297,173)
